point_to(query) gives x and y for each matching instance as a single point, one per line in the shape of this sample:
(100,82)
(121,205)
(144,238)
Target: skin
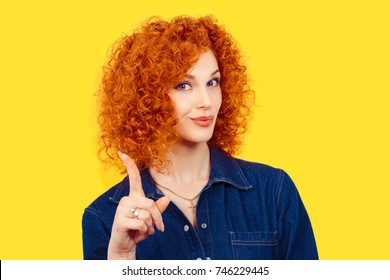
(197,95)
(127,230)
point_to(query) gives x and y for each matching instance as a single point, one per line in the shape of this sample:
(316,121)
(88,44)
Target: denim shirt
(246,211)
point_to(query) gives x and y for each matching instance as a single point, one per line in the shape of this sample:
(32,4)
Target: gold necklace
(182,197)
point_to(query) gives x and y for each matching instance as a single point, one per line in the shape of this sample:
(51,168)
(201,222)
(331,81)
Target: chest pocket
(259,245)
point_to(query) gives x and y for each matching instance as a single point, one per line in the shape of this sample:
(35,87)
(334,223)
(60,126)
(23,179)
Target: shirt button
(186,228)
(203,225)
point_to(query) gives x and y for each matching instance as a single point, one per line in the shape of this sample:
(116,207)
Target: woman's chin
(192,142)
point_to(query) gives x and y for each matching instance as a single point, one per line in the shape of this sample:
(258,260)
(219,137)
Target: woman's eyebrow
(189,76)
(215,72)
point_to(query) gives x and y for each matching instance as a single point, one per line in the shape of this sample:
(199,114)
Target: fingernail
(152,231)
(121,155)
(162,227)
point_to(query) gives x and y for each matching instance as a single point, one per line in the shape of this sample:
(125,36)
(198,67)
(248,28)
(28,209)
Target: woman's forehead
(206,65)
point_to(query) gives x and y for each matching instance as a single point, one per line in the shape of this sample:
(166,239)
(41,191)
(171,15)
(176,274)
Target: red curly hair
(136,115)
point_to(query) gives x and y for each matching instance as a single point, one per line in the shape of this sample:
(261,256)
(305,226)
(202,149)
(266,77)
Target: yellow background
(321,73)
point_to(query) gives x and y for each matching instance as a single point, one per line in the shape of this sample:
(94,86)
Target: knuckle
(149,203)
(147,215)
(124,200)
(144,228)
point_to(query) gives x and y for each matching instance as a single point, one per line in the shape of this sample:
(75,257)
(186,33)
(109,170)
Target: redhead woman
(174,106)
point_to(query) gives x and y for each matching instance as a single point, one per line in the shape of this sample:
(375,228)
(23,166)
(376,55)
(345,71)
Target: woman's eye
(213,83)
(183,86)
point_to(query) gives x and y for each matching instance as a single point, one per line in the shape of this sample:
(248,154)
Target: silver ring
(132,210)
(136,213)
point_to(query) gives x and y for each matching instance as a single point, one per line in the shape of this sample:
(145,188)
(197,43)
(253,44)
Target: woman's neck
(190,164)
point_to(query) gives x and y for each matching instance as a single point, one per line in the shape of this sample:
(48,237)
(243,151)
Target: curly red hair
(135,112)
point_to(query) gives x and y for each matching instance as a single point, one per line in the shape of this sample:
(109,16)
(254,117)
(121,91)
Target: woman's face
(197,99)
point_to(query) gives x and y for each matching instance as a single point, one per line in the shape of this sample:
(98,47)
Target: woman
(174,104)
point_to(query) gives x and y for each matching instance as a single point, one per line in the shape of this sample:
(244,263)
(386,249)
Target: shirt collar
(224,168)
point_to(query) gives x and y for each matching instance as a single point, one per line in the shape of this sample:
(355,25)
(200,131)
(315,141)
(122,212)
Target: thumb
(163,203)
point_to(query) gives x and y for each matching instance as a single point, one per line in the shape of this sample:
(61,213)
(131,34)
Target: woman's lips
(203,121)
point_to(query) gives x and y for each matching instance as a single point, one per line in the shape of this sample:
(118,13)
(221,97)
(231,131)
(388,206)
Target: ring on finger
(136,213)
(132,210)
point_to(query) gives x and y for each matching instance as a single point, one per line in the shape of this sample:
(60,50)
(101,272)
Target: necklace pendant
(193,207)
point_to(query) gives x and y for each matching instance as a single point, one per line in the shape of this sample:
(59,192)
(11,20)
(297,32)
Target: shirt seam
(93,212)
(242,176)
(279,187)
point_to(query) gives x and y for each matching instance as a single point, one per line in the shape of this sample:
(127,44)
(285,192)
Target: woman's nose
(203,99)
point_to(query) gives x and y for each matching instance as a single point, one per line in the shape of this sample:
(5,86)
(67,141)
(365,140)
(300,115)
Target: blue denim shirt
(246,211)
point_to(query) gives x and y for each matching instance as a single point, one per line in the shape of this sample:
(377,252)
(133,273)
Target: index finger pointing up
(134,175)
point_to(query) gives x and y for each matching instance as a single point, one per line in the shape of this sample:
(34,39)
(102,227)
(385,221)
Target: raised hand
(135,216)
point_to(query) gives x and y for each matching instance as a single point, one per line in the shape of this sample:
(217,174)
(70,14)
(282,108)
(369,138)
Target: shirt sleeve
(295,233)
(95,236)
